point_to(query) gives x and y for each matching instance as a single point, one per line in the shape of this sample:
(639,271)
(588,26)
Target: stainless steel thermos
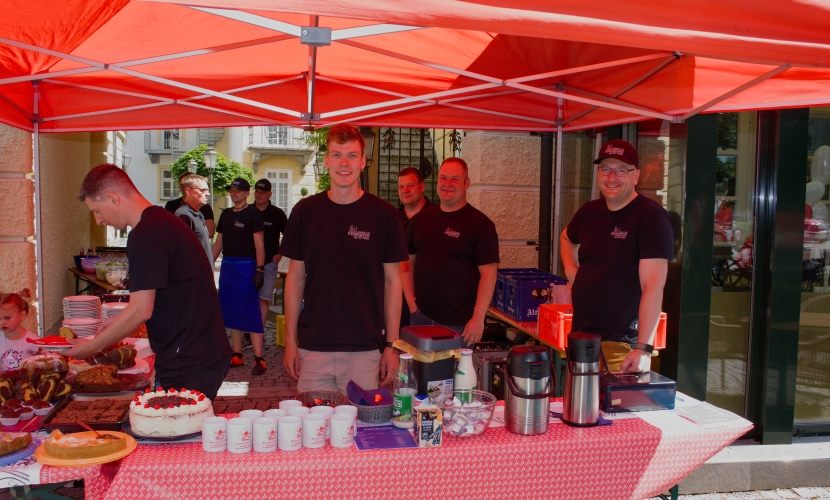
(530,384)
(580,405)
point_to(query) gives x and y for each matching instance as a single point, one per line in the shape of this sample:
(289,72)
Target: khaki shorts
(331,371)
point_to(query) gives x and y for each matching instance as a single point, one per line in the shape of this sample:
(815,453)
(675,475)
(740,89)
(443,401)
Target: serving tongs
(85,426)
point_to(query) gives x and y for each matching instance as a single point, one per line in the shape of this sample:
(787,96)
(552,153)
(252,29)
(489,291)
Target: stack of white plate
(113,309)
(81,306)
(83,327)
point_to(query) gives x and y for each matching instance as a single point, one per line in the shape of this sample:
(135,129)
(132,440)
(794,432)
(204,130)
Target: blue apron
(237,296)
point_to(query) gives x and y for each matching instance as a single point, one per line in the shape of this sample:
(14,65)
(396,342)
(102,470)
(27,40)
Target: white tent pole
(557,188)
(38,215)
(107,111)
(312,74)
(41,76)
(248,18)
(569,97)
(17,107)
(591,67)
(738,90)
(653,71)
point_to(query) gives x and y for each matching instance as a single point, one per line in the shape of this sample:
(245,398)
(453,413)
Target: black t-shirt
(196,222)
(186,330)
(402,211)
(237,229)
(173,205)
(274,221)
(449,247)
(606,291)
(344,248)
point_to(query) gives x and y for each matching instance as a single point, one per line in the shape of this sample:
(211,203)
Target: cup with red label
(240,439)
(342,430)
(314,430)
(289,433)
(265,434)
(214,434)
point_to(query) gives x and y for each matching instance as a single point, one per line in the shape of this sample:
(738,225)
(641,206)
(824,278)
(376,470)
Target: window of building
(169,185)
(280,188)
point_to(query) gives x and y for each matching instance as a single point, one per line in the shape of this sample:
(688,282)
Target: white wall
(143,173)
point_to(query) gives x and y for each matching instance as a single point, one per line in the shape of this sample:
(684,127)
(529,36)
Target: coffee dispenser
(580,405)
(531,384)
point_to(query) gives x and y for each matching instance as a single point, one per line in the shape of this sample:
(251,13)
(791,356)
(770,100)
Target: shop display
(469,418)
(101,378)
(170,413)
(83,445)
(11,442)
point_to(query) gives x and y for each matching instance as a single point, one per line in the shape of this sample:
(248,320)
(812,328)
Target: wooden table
(91,281)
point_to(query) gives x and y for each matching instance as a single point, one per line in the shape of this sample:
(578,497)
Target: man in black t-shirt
(173,205)
(343,281)
(195,195)
(411,193)
(240,240)
(454,255)
(273,220)
(616,252)
(170,290)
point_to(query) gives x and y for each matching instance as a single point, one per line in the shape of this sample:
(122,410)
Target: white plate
(141,366)
(81,314)
(82,298)
(55,348)
(82,321)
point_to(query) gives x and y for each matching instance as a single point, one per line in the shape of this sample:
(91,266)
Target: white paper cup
(342,430)
(348,409)
(288,403)
(314,430)
(214,434)
(265,434)
(251,414)
(275,413)
(239,435)
(290,433)
(298,411)
(326,411)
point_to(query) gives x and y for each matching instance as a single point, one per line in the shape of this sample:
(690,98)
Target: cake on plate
(11,442)
(83,445)
(169,413)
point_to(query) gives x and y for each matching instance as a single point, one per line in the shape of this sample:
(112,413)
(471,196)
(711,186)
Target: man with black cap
(239,238)
(273,220)
(616,252)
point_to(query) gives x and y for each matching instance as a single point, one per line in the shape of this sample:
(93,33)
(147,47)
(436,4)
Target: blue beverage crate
(498,293)
(524,294)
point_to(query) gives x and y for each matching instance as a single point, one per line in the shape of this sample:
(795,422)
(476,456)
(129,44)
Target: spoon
(85,426)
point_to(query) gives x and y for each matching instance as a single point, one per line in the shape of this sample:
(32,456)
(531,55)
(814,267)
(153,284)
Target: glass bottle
(465,377)
(404,390)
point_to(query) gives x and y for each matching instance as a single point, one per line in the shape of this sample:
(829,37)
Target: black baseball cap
(263,185)
(240,184)
(621,150)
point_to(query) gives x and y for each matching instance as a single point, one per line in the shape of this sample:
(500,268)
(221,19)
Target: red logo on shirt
(450,232)
(620,235)
(358,235)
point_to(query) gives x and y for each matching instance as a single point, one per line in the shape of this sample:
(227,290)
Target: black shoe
(259,367)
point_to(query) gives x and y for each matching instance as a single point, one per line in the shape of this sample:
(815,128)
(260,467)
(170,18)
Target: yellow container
(280,321)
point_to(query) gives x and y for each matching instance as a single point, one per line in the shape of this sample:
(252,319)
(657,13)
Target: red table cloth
(633,458)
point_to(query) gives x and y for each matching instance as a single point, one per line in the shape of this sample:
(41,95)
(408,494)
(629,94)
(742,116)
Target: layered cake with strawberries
(168,413)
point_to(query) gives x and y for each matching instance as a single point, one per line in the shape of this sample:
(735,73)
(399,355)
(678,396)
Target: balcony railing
(163,141)
(277,138)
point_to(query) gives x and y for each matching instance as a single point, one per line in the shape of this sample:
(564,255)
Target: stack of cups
(214,434)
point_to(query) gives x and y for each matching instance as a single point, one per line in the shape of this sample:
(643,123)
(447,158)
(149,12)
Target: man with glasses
(616,252)
(240,240)
(194,197)
(173,206)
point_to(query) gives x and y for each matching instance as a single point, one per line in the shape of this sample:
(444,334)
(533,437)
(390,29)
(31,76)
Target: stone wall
(17,247)
(504,184)
(64,161)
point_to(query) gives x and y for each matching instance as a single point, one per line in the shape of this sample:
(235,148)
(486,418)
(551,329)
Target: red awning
(82,65)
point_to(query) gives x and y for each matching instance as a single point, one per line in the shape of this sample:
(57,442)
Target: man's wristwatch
(647,348)
(390,344)
(260,268)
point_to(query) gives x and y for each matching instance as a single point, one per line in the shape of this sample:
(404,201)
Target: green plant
(317,140)
(226,169)
(303,192)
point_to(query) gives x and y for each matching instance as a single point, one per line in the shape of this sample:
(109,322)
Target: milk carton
(428,426)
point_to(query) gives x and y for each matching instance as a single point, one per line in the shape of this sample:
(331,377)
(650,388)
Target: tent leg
(557,201)
(545,200)
(38,218)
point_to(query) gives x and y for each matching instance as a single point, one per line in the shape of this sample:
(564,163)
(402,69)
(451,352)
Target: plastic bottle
(404,390)
(465,376)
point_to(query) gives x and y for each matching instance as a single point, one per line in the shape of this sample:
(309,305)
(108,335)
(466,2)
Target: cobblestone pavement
(243,391)
(794,493)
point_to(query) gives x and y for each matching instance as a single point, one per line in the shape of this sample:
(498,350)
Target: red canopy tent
(542,65)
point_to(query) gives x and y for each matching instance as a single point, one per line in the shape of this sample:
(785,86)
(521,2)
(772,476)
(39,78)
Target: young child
(13,345)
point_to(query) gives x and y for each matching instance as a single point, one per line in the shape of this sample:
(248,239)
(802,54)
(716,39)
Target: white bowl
(114,277)
(42,411)
(9,421)
(27,415)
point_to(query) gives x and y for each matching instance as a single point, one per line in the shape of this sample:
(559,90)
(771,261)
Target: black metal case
(621,392)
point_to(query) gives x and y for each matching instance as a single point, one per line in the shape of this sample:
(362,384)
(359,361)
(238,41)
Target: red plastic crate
(555,325)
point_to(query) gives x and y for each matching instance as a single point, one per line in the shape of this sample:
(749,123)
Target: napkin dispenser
(621,392)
